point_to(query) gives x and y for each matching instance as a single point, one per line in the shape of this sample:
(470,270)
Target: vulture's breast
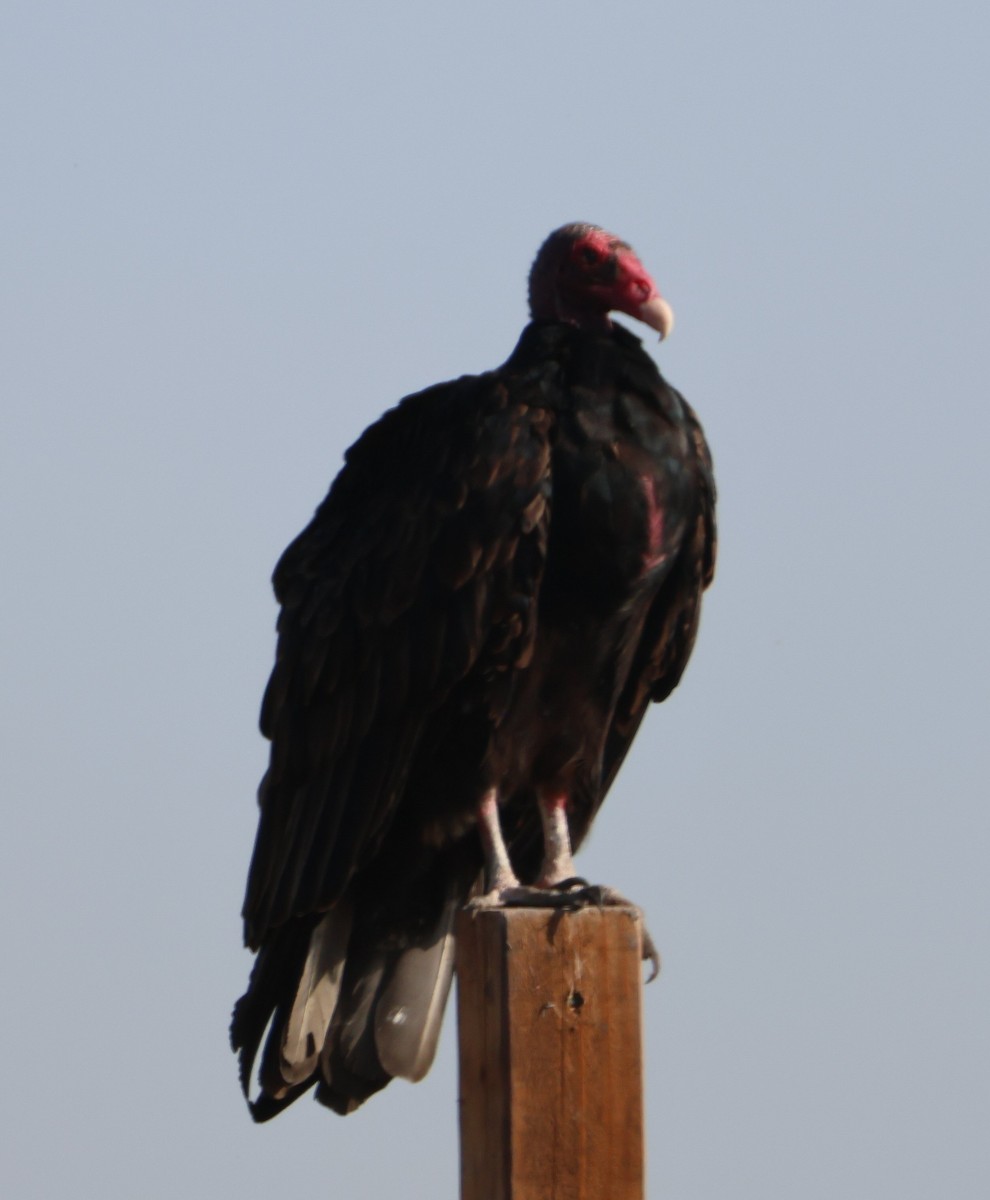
(621,491)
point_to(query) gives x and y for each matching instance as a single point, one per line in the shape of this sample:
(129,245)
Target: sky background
(232,234)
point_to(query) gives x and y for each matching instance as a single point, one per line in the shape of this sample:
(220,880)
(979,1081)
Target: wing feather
(391,597)
(672,623)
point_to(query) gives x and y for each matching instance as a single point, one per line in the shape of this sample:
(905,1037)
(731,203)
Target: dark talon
(607,897)
(529,896)
(593,893)
(650,954)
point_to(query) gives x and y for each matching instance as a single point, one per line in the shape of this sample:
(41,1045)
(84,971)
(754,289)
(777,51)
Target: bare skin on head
(582,273)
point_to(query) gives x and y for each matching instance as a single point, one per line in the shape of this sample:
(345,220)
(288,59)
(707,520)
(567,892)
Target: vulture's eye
(591,255)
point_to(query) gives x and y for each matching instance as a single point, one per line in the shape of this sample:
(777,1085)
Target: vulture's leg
(558,865)
(557,886)
(558,873)
(502,885)
(499,875)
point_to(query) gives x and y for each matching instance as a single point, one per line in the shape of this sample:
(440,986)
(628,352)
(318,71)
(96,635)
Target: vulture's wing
(672,623)
(419,570)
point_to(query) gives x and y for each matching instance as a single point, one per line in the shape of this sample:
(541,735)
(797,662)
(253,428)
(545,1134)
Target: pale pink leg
(502,886)
(558,864)
(499,875)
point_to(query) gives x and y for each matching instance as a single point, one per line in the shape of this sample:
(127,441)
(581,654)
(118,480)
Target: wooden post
(551,1088)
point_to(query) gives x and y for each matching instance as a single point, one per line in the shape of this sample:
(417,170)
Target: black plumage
(505,573)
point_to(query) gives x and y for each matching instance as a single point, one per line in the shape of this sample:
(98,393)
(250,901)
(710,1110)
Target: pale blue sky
(233,233)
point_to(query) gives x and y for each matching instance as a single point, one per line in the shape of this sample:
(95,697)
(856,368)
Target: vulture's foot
(603,896)
(522,895)
(569,894)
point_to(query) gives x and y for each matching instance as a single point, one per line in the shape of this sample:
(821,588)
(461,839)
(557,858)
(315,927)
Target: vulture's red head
(582,273)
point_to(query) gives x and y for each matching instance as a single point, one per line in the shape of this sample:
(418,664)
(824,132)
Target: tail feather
(410,1009)
(316,997)
(260,1005)
(347,1013)
(349,1065)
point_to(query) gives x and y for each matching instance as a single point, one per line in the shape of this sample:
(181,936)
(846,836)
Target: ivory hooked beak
(658,314)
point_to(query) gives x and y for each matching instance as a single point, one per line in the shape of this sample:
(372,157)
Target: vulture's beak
(658,314)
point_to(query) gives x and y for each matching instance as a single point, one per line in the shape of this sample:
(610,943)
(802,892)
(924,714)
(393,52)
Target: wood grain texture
(549,1013)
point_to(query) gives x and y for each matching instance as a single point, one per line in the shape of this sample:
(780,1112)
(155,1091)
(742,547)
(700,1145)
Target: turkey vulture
(506,571)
